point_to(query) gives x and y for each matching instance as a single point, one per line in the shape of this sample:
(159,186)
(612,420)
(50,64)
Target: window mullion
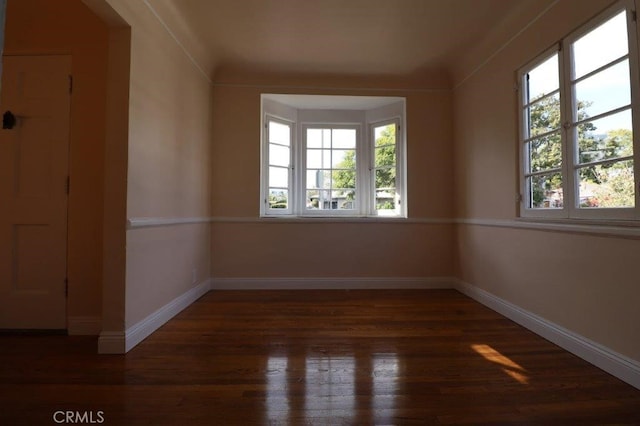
(634,69)
(568,137)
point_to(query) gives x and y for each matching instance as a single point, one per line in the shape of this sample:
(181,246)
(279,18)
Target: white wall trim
(120,342)
(606,228)
(84,326)
(178,42)
(332,283)
(504,45)
(285,87)
(143,329)
(335,219)
(148,222)
(618,365)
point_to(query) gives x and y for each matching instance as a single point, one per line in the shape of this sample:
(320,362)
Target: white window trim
(571,209)
(365,198)
(301,195)
(264,158)
(524,158)
(400,167)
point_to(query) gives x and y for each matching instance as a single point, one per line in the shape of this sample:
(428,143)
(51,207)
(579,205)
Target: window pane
(385,135)
(279,133)
(321,200)
(314,138)
(546,191)
(606,138)
(543,79)
(279,155)
(279,177)
(604,44)
(313,199)
(385,178)
(385,199)
(544,116)
(343,159)
(323,179)
(545,153)
(344,179)
(607,90)
(314,179)
(344,138)
(344,199)
(314,159)
(385,156)
(607,185)
(278,198)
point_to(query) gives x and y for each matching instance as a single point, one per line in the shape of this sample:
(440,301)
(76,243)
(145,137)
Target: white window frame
(569,167)
(302,195)
(400,165)
(365,176)
(264,188)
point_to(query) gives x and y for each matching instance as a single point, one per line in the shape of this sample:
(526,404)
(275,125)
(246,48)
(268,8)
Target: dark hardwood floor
(315,357)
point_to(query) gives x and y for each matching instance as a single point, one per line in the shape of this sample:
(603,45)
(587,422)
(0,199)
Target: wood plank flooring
(315,357)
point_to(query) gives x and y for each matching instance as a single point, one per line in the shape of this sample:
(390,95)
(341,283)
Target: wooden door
(34,157)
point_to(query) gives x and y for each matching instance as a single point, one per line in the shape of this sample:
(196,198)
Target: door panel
(33,192)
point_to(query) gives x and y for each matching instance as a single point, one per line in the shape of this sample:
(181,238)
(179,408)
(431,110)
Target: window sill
(336,219)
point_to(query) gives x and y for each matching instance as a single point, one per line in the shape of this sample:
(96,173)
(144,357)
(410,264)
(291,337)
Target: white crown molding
(618,365)
(332,283)
(504,45)
(178,42)
(84,326)
(150,222)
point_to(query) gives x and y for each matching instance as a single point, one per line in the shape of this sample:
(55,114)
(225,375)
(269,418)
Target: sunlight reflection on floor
(511,368)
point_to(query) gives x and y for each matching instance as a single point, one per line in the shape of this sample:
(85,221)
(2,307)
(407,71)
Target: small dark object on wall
(8,120)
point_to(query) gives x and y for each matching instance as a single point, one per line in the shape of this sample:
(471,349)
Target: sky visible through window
(603,91)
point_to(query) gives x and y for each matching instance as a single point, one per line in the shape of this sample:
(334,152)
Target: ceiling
(364,37)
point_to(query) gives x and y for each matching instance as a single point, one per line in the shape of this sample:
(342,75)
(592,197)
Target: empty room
(319,212)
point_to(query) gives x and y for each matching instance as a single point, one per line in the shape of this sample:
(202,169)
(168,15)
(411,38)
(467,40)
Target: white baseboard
(123,342)
(143,329)
(618,365)
(315,283)
(84,326)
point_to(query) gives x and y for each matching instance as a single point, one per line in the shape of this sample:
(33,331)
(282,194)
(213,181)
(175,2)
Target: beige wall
(584,283)
(168,174)
(243,246)
(36,27)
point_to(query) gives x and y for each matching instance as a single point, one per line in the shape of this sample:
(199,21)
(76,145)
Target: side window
(577,120)
(385,168)
(279,176)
